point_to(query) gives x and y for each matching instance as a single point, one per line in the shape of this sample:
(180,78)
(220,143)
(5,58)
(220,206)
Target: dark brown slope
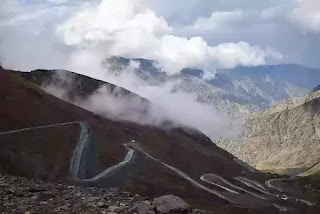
(42,154)
(46,154)
(77,86)
(23,104)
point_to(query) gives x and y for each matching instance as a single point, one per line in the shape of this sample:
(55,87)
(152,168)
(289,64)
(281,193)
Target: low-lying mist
(165,106)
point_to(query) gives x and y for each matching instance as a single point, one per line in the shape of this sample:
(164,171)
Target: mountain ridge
(237,91)
(287,136)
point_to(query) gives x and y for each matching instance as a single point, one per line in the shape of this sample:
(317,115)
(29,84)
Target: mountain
(282,139)
(79,89)
(237,91)
(266,85)
(43,137)
(316,89)
(76,86)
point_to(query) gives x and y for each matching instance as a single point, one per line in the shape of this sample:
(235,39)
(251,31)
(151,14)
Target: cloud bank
(307,14)
(205,34)
(132,29)
(176,34)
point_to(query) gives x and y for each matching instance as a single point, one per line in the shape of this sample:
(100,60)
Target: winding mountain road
(229,191)
(78,152)
(77,156)
(218,178)
(270,184)
(180,173)
(253,184)
(204,178)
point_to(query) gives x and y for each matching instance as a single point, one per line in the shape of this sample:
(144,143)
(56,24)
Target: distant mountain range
(237,91)
(284,139)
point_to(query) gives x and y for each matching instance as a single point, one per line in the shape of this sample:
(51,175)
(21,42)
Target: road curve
(270,185)
(180,173)
(78,152)
(253,184)
(218,185)
(232,185)
(282,208)
(77,157)
(38,127)
(260,188)
(111,169)
(134,145)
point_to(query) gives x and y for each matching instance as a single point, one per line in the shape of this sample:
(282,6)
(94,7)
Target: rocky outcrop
(283,139)
(19,195)
(170,204)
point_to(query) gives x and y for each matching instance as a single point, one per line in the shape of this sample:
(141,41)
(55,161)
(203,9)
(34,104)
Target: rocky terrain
(19,195)
(282,139)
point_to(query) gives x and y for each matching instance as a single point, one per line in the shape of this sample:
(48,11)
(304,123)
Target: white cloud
(57,1)
(8,7)
(263,23)
(27,39)
(186,11)
(128,28)
(217,20)
(307,14)
(131,29)
(276,12)
(98,23)
(232,54)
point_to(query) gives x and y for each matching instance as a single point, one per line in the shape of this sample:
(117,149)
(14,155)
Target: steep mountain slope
(140,159)
(285,138)
(235,91)
(77,86)
(25,105)
(316,89)
(78,89)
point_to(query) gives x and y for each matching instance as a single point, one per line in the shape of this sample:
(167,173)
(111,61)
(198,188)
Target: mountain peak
(317,88)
